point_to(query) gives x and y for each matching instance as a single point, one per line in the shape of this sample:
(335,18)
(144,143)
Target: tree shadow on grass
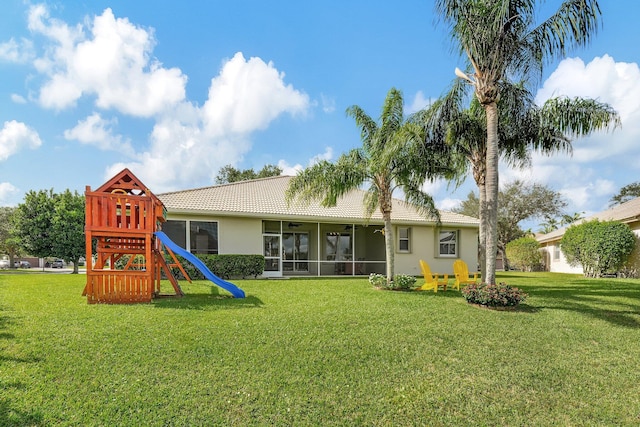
(614,301)
(195,301)
(12,417)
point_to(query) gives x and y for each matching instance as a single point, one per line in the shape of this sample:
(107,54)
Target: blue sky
(176,90)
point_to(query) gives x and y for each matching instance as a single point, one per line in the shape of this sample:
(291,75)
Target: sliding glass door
(295,252)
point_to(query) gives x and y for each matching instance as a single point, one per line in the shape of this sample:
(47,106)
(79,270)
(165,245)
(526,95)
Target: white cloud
(328,104)
(293,170)
(6,191)
(18,99)
(247,95)
(111,60)
(419,102)
(19,52)
(448,204)
(96,131)
(579,197)
(16,135)
(189,144)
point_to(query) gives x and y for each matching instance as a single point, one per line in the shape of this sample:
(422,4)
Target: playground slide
(235,291)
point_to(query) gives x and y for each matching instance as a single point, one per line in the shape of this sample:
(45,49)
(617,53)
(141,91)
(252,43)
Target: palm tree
(568,219)
(386,161)
(523,127)
(551,224)
(500,39)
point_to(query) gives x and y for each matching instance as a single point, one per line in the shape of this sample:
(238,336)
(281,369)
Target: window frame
(400,239)
(456,244)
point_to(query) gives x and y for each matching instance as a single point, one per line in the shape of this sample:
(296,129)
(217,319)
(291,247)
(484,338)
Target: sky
(176,90)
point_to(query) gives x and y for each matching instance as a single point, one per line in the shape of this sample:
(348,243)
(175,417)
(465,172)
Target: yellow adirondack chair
(431,281)
(461,271)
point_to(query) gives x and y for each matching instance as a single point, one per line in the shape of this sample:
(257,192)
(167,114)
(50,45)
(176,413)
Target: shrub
(223,266)
(403,281)
(600,247)
(399,282)
(378,280)
(500,295)
(524,253)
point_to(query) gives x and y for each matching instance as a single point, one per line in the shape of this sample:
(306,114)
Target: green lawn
(320,353)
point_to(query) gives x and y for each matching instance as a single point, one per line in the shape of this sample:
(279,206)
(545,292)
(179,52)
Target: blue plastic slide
(235,291)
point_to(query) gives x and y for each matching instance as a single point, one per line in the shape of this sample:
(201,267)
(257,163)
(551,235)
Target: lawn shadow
(211,301)
(616,302)
(10,416)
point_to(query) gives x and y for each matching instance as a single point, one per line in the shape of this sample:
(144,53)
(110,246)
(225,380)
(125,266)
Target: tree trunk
(491,110)
(388,240)
(482,232)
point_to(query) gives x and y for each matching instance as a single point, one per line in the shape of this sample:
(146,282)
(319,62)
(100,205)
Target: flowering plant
(399,282)
(500,295)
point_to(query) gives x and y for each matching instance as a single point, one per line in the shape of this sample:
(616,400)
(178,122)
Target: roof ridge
(226,184)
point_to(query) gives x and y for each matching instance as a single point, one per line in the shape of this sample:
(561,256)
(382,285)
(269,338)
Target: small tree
(33,223)
(626,193)
(67,227)
(524,253)
(9,243)
(600,247)
(228,174)
(50,224)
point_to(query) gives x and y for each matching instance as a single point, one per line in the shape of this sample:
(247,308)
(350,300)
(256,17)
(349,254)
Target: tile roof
(626,212)
(266,198)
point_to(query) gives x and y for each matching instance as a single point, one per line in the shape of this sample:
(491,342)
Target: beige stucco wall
(240,236)
(557,265)
(235,235)
(424,246)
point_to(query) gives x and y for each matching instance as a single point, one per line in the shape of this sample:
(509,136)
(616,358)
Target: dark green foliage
(628,192)
(33,223)
(52,225)
(600,247)
(524,253)
(500,295)
(67,227)
(224,266)
(9,242)
(229,174)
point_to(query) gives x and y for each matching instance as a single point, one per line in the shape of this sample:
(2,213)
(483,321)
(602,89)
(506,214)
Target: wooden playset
(121,218)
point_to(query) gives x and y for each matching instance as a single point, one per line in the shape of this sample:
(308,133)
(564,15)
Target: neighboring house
(627,213)
(252,217)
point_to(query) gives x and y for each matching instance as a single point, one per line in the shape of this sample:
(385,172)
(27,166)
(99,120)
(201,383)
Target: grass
(320,352)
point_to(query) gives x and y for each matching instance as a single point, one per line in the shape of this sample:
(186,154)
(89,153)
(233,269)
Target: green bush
(399,282)
(403,281)
(524,253)
(378,280)
(599,247)
(500,295)
(224,266)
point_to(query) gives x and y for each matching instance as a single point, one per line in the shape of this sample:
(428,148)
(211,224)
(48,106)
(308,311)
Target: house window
(556,253)
(448,243)
(338,247)
(404,239)
(177,232)
(203,237)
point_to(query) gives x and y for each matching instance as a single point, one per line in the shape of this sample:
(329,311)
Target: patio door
(272,255)
(295,252)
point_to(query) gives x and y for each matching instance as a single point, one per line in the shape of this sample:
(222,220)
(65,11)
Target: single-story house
(627,213)
(252,217)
